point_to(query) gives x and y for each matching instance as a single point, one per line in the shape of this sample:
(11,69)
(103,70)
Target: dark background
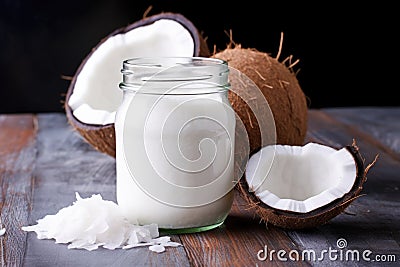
(347,52)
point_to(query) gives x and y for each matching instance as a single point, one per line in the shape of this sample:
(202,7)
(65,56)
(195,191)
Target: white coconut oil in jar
(175,133)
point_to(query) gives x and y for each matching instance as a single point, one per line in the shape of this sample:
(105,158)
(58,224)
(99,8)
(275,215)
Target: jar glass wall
(175,133)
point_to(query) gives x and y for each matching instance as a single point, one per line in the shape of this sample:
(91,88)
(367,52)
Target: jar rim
(145,61)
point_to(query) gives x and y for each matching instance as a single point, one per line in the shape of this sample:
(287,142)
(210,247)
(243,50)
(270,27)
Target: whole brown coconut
(280,87)
(293,220)
(102,137)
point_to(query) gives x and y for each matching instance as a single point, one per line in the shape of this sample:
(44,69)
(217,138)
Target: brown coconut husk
(280,87)
(102,137)
(293,220)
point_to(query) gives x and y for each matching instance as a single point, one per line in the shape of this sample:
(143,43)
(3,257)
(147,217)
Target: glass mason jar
(175,131)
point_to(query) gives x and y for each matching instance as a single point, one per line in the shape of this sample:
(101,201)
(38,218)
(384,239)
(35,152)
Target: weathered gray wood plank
(44,175)
(372,221)
(238,241)
(17,159)
(65,165)
(382,123)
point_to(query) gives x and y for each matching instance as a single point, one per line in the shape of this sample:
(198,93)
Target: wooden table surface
(43,162)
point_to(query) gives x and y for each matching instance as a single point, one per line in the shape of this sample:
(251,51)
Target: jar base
(191,230)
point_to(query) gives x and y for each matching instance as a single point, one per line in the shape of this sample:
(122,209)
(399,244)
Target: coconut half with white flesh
(93,95)
(297,187)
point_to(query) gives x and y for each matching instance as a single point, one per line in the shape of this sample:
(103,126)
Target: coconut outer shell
(293,220)
(102,137)
(280,88)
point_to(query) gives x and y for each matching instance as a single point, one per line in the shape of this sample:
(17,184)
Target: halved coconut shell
(98,130)
(289,219)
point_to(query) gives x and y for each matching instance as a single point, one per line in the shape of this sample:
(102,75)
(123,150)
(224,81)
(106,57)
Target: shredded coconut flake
(157,248)
(90,223)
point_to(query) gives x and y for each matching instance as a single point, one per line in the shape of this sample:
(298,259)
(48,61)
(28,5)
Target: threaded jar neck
(175,75)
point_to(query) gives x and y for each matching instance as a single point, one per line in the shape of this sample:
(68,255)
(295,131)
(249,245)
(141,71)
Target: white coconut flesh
(96,95)
(300,178)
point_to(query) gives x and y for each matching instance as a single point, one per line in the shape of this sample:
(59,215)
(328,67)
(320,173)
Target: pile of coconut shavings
(90,223)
